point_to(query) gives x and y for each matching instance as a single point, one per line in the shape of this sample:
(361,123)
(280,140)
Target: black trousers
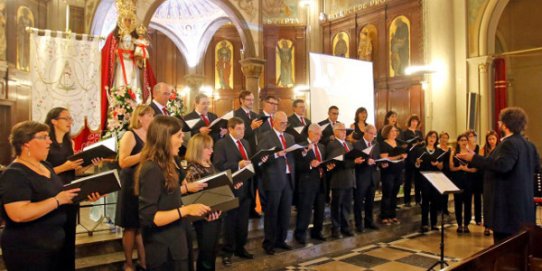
(309,201)
(277,216)
(67,254)
(208,233)
(431,202)
(174,266)
(236,227)
(31,259)
(341,208)
(477,191)
(463,203)
(391,182)
(410,172)
(364,197)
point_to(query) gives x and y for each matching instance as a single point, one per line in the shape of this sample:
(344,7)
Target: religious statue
(3,45)
(365,49)
(285,54)
(399,46)
(341,47)
(223,65)
(25,19)
(126,70)
(141,53)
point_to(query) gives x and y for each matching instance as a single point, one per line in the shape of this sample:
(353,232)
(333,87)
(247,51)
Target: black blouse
(392,151)
(428,157)
(58,155)
(20,183)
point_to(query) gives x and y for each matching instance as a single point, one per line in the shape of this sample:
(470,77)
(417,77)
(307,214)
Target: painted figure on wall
(340,45)
(279,9)
(399,45)
(224,65)
(25,19)
(367,36)
(285,63)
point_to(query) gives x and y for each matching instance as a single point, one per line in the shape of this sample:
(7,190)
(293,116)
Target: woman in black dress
(127,215)
(391,174)
(198,156)
(462,178)
(360,121)
(427,159)
(31,194)
(410,133)
(492,140)
(477,179)
(389,119)
(162,215)
(444,137)
(60,121)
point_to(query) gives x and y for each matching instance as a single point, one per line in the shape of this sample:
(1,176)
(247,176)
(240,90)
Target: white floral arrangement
(122,102)
(175,104)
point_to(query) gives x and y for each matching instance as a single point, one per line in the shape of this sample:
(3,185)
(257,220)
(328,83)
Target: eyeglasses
(273,103)
(65,118)
(284,123)
(44,137)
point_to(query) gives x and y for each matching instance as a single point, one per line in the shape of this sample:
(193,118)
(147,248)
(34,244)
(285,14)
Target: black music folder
(257,157)
(104,183)
(223,178)
(439,158)
(102,149)
(243,174)
(218,199)
(262,118)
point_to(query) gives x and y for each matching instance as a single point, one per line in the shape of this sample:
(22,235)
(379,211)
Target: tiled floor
(409,253)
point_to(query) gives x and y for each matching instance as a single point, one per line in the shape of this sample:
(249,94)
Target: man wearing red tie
(233,152)
(278,183)
(298,119)
(160,95)
(342,182)
(310,186)
(201,112)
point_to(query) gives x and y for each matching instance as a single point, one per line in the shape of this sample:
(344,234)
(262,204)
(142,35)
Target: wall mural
(224,65)
(367,40)
(280,11)
(341,43)
(25,18)
(285,63)
(399,40)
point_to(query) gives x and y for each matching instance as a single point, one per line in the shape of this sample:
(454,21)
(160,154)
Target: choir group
(40,219)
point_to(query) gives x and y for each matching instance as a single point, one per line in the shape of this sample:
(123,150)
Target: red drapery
(500,84)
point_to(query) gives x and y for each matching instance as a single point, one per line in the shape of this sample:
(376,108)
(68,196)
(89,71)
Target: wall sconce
(423,69)
(207,90)
(301,89)
(185,91)
(322,17)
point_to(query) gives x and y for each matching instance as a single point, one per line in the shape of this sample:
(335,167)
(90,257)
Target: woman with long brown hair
(162,215)
(199,165)
(360,121)
(492,140)
(461,177)
(127,216)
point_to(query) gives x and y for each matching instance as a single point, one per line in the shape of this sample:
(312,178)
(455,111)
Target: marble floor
(413,252)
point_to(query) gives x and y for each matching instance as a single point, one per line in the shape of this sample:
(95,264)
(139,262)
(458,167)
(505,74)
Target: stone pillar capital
(252,70)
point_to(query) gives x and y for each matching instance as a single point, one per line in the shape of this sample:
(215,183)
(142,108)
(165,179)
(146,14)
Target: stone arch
(146,10)
(488,26)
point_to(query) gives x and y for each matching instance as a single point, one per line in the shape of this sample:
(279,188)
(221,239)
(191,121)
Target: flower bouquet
(122,102)
(175,104)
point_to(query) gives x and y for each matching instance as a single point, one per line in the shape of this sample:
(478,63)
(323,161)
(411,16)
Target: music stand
(444,186)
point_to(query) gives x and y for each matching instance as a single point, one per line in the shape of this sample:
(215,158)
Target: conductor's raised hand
(465,156)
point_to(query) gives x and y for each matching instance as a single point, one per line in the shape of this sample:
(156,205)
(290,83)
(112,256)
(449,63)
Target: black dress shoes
(244,254)
(318,237)
(269,251)
(301,241)
(284,246)
(371,226)
(226,260)
(347,233)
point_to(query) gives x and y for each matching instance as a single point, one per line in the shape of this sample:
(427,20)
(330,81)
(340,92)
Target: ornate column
(252,70)
(479,82)
(194,82)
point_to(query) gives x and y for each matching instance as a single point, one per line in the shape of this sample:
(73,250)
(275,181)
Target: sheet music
(440,181)
(192,122)
(324,126)
(368,150)
(389,160)
(299,129)
(110,143)
(339,158)
(424,153)
(294,147)
(440,156)
(226,116)
(250,168)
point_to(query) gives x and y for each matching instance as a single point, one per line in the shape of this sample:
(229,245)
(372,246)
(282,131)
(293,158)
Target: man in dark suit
(510,169)
(298,119)
(327,132)
(342,182)
(270,106)
(233,152)
(278,182)
(201,113)
(310,186)
(364,193)
(252,125)
(160,95)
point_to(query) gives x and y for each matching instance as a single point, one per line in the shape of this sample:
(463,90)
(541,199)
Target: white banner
(66,72)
